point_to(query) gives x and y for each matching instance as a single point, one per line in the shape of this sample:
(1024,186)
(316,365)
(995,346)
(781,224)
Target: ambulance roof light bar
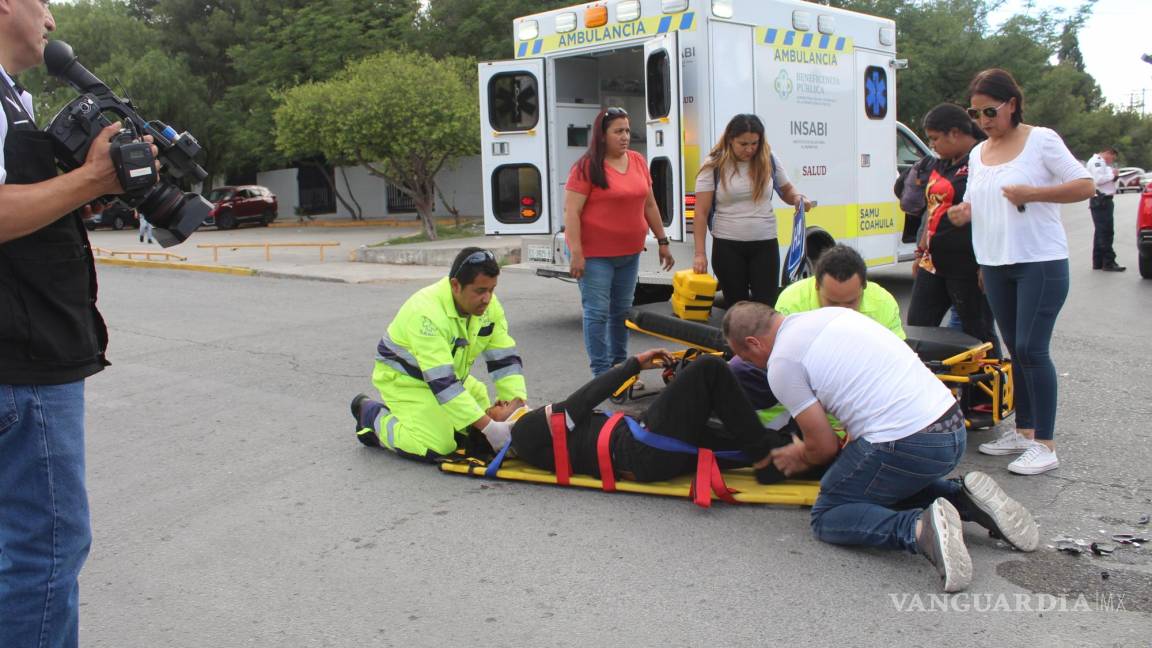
(627,10)
(527,30)
(566,22)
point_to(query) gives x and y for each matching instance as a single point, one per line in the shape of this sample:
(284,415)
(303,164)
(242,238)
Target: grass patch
(443,233)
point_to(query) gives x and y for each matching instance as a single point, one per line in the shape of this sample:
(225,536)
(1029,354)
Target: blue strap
(669,444)
(494,465)
(797,250)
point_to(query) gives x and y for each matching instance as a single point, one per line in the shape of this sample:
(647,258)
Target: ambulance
(822,80)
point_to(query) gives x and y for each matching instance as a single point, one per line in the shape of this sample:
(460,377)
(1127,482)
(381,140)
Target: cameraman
(51,339)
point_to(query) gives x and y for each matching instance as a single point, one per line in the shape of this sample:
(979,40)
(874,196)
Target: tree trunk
(450,207)
(336,192)
(358,214)
(424,208)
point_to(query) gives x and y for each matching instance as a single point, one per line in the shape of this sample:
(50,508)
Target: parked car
(241,204)
(116,216)
(1130,179)
(1144,232)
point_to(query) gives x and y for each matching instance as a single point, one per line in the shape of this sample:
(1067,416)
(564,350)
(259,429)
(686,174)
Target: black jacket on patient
(704,389)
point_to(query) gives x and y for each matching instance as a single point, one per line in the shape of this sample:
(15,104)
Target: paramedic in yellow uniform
(423,362)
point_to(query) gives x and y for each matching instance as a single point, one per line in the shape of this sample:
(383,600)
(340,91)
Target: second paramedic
(734,191)
(423,365)
(608,210)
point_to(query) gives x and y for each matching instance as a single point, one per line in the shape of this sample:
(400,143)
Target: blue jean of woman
(1026,298)
(874,493)
(44,528)
(606,291)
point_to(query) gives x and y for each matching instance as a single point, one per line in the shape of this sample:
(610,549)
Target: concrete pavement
(359,257)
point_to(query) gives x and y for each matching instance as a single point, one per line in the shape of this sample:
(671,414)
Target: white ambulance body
(821,79)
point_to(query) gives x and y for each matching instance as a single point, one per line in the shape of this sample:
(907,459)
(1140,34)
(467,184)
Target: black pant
(744,265)
(1102,252)
(705,388)
(933,295)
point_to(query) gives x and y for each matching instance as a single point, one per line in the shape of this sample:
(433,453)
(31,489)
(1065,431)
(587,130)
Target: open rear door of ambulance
(514,147)
(662,130)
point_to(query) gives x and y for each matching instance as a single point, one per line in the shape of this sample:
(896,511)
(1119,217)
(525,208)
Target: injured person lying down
(684,410)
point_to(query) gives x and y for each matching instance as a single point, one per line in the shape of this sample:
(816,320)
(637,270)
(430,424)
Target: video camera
(173,213)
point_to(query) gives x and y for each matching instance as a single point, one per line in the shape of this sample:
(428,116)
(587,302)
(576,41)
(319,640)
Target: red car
(1144,232)
(242,204)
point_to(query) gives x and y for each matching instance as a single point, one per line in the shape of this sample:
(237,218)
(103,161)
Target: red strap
(560,449)
(709,480)
(604,454)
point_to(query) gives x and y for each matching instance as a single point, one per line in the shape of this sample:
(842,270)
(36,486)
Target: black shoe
(1113,267)
(366,435)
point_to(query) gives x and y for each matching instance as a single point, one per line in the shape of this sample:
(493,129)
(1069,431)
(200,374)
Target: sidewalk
(356,260)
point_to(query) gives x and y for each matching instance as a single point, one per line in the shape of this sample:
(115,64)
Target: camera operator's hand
(98,164)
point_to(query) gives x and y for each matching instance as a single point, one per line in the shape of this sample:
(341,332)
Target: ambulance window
(516,194)
(513,101)
(659,85)
(907,153)
(662,189)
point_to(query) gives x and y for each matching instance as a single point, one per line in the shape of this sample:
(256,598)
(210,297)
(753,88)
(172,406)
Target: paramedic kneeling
(423,362)
(886,488)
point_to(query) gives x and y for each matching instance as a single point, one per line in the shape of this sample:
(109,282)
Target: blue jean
(1026,298)
(606,291)
(874,493)
(44,527)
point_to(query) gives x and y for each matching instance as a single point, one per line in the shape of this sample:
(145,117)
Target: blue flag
(797,249)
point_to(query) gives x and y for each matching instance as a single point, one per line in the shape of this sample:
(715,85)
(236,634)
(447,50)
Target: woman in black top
(703,389)
(947,274)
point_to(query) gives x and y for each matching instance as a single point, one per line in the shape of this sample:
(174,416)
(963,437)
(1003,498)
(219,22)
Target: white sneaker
(1035,460)
(941,541)
(1011,442)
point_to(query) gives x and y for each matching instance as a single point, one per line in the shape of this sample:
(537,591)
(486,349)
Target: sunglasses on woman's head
(988,112)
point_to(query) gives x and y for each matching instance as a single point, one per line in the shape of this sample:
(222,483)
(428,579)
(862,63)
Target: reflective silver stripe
(399,350)
(493,355)
(391,442)
(778,422)
(436,373)
(511,370)
(393,365)
(450,392)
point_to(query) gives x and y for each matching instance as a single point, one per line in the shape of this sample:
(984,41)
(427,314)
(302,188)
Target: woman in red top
(608,209)
(947,275)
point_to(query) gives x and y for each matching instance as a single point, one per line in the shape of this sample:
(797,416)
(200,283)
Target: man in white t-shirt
(1101,205)
(887,488)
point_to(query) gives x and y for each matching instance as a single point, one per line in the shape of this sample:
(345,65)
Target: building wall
(459,182)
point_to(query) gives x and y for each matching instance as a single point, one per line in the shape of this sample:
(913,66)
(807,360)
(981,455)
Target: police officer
(51,339)
(423,363)
(1101,206)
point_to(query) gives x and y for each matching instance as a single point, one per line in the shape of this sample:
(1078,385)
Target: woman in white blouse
(1017,181)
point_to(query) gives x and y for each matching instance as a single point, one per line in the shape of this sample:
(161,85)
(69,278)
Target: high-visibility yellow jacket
(431,347)
(876,303)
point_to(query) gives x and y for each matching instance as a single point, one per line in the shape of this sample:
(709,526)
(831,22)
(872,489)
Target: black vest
(50,330)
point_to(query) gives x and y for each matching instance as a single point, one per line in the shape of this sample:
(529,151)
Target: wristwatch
(662,241)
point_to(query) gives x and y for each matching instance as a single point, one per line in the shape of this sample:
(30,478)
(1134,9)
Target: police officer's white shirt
(26,100)
(1102,174)
(859,371)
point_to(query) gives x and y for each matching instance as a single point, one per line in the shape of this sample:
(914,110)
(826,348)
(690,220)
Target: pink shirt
(612,222)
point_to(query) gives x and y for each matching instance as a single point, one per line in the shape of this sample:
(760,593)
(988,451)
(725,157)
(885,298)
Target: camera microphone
(62,63)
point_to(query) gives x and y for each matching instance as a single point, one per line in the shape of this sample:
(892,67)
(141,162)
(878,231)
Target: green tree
(401,116)
(481,29)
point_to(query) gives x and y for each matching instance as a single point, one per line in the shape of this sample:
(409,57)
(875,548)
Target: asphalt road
(233,507)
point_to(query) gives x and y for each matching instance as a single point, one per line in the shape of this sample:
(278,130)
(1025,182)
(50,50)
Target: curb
(194,267)
(375,222)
